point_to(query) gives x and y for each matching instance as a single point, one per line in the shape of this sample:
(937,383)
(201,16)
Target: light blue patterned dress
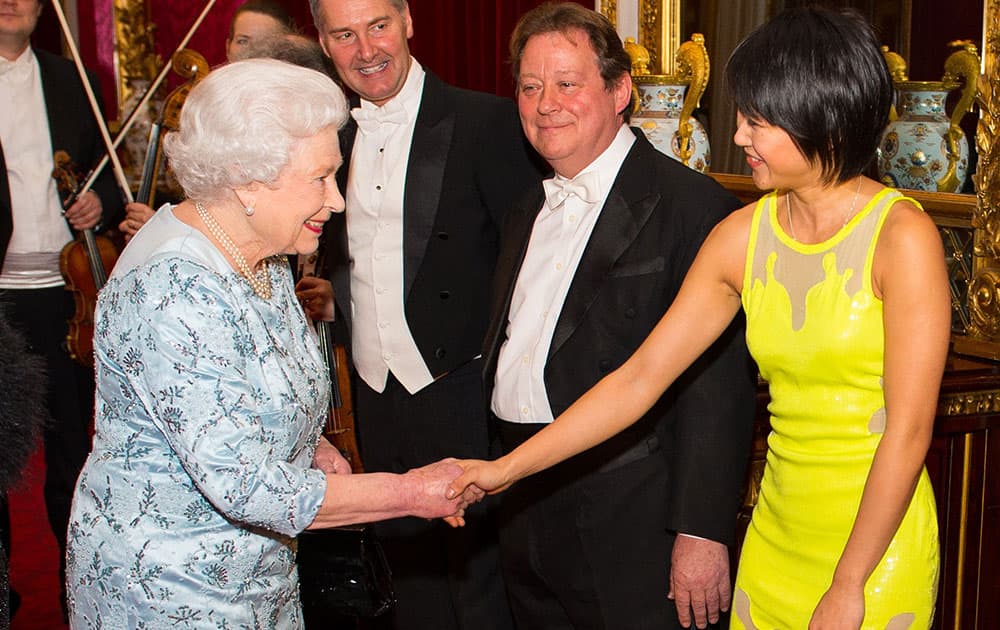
(209,408)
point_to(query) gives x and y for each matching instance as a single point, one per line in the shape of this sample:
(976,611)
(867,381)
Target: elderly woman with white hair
(207,457)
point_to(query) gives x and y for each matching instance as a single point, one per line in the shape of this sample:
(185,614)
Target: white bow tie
(370,120)
(585,186)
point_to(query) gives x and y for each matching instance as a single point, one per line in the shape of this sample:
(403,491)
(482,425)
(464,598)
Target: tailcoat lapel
(627,209)
(428,156)
(432,135)
(335,240)
(513,246)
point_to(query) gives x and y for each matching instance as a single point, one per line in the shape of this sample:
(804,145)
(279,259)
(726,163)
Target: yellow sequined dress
(814,326)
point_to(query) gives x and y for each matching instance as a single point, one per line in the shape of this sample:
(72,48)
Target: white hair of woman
(241,123)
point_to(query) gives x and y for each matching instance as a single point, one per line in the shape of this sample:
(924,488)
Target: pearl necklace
(259,281)
(847,217)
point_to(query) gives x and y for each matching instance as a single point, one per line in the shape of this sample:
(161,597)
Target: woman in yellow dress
(845,290)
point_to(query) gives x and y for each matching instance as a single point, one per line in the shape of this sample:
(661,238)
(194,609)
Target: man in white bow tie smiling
(429,170)
(587,267)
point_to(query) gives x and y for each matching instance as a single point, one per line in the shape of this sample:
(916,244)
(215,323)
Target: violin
(339,427)
(193,67)
(84,263)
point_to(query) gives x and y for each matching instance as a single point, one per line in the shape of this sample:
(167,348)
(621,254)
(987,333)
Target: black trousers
(584,545)
(444,578)
(41,315)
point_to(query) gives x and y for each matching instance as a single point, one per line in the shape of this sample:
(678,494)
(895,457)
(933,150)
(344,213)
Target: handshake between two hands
(465,482)
(443,489)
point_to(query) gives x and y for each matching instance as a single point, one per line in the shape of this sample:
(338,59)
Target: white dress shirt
(558,240)
(40,231)
(381,337)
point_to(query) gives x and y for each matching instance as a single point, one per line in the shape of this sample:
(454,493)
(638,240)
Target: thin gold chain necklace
(847,217)
(260,281)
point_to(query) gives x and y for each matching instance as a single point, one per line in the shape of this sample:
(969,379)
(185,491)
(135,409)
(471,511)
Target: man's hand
(699,580)
(136,215)
(85,213)
(316,296)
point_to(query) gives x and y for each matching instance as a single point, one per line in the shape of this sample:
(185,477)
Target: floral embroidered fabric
(209,407)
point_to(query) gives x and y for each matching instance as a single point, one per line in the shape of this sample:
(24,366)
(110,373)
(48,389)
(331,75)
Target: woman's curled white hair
(241,122)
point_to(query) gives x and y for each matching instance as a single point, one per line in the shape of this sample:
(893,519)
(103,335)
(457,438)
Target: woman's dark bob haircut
(819,74)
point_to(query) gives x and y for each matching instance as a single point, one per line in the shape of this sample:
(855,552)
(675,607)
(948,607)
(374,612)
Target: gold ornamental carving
(136,60)
(691,69)
(610,10)
(659,29)
(659,32)
(969,403)
(961,67)
(136,66)
(984,289)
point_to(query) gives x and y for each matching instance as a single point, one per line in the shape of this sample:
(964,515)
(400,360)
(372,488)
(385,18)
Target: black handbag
(343,571)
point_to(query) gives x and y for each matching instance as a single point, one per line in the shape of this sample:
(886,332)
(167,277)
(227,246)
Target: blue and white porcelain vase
(925,147)
(665,102)
(917,150)
(659,116)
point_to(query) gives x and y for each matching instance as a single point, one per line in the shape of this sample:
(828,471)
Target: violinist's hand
(329,459)
(316,296)
(136,215)
(485,476)
(85,212)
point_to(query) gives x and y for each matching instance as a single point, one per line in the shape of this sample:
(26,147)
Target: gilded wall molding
(136,66)
(982,336)
(136,60)
(969,403)
(660,32)
(610,10)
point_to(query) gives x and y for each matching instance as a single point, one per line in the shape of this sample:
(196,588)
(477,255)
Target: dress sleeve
(196,366)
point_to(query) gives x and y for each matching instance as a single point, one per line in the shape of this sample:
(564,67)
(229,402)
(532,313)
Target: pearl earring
(249,209)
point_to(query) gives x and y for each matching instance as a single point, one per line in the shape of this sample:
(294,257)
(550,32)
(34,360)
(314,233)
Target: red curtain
(462,41)
(465,41)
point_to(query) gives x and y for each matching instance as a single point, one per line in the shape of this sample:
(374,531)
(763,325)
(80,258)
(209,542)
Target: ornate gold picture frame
(659,29)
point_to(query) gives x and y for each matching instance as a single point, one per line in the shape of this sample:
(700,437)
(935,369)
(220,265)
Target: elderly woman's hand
(316,296)
(329,459)
(430,485)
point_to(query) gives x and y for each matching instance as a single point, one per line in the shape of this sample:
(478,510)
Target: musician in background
(45,109)
(254,21)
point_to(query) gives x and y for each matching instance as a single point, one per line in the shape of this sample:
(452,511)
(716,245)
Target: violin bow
(112,146)
(101,126)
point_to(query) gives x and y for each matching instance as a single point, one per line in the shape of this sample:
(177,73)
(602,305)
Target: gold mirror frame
(982,336)
(659,30)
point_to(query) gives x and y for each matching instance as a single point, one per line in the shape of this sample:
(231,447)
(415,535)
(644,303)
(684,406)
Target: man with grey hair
(430,170)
